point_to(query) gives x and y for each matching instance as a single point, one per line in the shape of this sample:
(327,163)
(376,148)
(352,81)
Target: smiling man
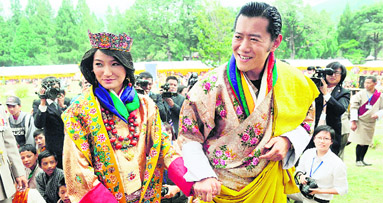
(241,129)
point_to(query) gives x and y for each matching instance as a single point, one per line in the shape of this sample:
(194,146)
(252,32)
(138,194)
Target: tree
(67,34)
(214,32)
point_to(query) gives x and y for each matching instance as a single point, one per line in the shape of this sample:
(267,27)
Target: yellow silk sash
(269,186)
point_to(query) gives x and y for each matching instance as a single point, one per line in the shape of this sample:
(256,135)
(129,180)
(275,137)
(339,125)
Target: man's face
(369,85)
(29,159)
(334,79)
(40,141)
(63,194)
(48,165)
(173,84)
(252,44)
(14,110)
(149,86)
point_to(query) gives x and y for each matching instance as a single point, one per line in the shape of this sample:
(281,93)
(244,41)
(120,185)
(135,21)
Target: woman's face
(323,141)
(109,72)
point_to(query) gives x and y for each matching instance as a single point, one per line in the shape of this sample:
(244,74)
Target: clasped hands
(275,150)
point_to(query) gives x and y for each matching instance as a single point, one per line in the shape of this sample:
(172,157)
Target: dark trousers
(361,151)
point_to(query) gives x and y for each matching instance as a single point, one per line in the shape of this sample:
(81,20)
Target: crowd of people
(232,135)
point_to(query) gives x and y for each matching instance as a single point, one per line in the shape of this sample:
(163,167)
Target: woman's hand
(173,190)
(302,179)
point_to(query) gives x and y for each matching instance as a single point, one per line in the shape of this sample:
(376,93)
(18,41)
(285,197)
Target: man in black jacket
(332,102)
(47,115)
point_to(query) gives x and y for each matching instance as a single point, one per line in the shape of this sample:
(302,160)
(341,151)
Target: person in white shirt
(322,165)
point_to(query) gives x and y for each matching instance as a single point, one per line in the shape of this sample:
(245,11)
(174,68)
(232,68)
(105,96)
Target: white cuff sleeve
(380,114)
(196,162)
(299,139)
(43,108)
(327,97)
(353,114)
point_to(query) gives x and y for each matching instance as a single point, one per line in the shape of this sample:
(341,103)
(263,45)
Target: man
(9,154)
(366,107)
(173,103)
(21,123)
(242,126)
(332,102)
(47,112)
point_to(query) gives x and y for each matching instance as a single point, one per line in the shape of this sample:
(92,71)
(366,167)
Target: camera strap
(312,173)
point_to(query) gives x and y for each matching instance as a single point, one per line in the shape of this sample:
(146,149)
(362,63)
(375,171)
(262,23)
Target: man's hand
(353,126)
(169,101)
(60,100)
(22,183)
(173,190)
(206,189)
(323,88)
(374,116)
(278,148)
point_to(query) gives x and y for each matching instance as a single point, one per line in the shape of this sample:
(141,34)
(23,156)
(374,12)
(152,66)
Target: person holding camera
(47,111)
(332,102)
(320,172)
(173,102)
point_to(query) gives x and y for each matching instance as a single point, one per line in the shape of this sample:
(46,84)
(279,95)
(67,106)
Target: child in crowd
(63,193)
(48,182)
(39,137)
(29,157)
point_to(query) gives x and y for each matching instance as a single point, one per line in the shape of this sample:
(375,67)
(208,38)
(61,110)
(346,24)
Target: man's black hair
(336,65)
(46,153)
(325,128)
(172,77)
(38,132)
(145,75)
(373,78)
(28,147)
(264,10)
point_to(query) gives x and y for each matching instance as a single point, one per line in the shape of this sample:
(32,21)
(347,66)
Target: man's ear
(276,43)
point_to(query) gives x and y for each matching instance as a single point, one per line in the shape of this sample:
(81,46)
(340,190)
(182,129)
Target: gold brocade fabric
(89,157)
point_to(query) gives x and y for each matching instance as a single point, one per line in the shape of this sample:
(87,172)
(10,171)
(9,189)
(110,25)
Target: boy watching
(29,157)
(48,182)
(39,137)
(63,193)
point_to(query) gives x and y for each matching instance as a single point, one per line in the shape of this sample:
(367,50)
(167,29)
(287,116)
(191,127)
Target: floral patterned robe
(232,143)
(138,170)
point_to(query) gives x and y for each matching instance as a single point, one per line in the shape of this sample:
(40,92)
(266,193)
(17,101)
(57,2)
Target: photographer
(173,102)
(332,102)
(321,170)
(47,114)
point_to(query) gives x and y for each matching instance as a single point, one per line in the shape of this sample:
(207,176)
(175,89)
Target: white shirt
(331,173)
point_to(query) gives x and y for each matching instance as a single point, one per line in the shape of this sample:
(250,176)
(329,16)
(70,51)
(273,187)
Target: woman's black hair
(336,65)
(123,57)
(325,128)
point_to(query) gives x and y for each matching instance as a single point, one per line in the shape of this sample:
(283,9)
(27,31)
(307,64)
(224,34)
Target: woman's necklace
(118,141)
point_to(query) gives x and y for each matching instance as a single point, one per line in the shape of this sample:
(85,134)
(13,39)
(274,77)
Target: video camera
(142,84)
(192,80)
(320,73)
(305,189)
(166,93)
(52,89)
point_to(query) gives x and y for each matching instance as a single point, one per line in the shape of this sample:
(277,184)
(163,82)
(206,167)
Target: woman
(323,166)
(114,150)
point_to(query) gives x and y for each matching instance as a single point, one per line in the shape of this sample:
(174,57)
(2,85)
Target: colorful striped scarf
(120,106)
(241,89)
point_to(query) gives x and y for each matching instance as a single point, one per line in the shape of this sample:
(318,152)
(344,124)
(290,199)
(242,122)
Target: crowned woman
(114,150)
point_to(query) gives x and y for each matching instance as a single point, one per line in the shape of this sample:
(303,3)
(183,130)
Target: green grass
(365,184)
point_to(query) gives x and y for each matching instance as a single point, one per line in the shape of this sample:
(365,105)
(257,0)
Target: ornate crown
(105,40)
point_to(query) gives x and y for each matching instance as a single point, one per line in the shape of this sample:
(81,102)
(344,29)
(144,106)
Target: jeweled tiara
(103,40)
